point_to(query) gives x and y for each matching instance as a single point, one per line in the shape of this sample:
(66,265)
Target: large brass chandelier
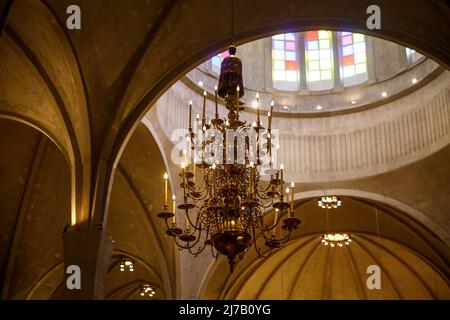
(226,201)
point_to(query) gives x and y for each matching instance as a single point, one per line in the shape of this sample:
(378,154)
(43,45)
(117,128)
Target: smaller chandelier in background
(126,264)
(329,202)
(146,289)
(336,239)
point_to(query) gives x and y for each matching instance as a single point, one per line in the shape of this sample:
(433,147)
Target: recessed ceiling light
(384,94)
(414,81)
(353,102)
(285,107)
(319,107)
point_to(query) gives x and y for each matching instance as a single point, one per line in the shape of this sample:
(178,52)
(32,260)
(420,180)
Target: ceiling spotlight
(126,264)
(319,107)
(384,94)
(329,202)
(414,80)
(146,289)
(336,239)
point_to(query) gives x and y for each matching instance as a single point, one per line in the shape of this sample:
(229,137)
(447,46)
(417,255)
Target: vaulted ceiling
(71,100)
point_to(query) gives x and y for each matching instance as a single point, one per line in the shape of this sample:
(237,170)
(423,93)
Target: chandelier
(336,239)
(146,289)
(228,190)
(328,202)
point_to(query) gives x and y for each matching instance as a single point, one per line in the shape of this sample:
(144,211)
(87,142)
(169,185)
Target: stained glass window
(285,74)
(353,58)
(319,59)
(413,55)
(216,61)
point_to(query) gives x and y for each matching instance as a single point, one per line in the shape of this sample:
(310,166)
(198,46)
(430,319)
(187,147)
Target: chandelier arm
(187,246)
(201,248)
(257,249)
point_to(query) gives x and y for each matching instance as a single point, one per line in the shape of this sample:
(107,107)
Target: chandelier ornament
(228,179)
(329,202)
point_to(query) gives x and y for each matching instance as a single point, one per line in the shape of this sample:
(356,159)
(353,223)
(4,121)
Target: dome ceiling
(305,74)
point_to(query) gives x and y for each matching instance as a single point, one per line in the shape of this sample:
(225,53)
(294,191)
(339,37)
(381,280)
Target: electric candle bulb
(174,219)
(204,93)
(215,88)
(166,176)
(281,167)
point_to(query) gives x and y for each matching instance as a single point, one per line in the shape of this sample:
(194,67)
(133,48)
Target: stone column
(91,251)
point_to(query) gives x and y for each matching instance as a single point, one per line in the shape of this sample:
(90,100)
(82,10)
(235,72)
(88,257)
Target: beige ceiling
(70,101)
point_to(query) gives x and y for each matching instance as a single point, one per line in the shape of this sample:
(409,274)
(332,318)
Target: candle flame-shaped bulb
(257,95)
(213,166)
(276,210)
(166,176)
(292,184)
(204,128)
(268,114)
(190,102)
(287,190)
(215,88)
(268,135)
(173,197)
(198,117)
(238,89)
(184,152)
(183,165)
(227,123)
(271,103)
(251,164)
(204,93)
(278,146)
(281,167)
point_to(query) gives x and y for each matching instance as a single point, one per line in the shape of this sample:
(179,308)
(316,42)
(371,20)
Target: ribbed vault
(413,261)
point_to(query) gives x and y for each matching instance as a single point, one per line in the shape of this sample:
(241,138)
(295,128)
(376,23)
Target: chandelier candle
(215,102)
(258,122)
(190,116)
(227,205)
(275,219)
(166,176)
(174,219)
(237,100)
(287,198)
(204,109)
(270,116)
(292,198)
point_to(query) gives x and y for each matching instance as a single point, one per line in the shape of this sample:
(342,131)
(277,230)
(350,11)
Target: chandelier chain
(232,21)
